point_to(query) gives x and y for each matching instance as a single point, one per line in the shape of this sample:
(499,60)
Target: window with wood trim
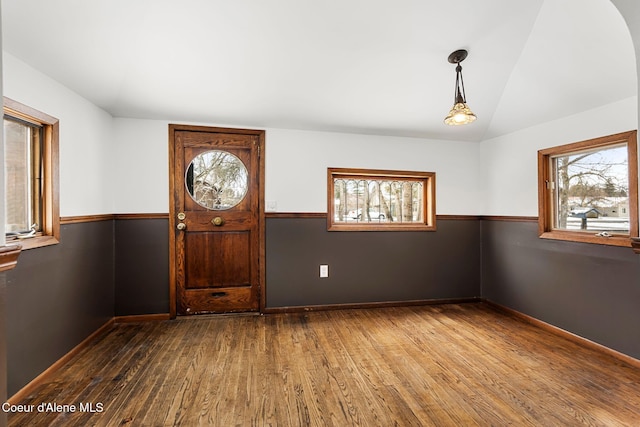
(31,168)
(381,200)
(588,190)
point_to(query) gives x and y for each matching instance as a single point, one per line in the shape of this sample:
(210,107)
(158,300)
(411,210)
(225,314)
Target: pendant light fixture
(460,114)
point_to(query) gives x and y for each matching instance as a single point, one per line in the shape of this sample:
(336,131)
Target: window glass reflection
(216,180)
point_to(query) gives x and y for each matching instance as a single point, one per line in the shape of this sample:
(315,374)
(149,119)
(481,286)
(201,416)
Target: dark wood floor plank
(422,374)
(386,355)
(446,365)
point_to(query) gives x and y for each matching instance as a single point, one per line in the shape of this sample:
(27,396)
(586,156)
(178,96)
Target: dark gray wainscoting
(3,345)
(364,267)
(56,297)
(142,266)
(369,267)
(589,290)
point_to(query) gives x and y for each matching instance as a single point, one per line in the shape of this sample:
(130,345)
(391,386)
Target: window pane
(367,200)
(22,165)
(592,190)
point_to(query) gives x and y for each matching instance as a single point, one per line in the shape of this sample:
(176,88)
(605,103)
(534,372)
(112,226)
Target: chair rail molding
(9,256)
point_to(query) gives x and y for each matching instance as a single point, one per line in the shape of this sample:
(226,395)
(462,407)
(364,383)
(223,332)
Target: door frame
(173,128)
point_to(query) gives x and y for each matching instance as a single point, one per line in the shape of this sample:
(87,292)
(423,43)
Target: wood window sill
(34,242)
(569,236)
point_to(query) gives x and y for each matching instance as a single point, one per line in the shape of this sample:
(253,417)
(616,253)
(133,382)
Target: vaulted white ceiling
(363,66)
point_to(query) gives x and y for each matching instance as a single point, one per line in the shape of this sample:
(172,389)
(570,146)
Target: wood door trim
(173,128)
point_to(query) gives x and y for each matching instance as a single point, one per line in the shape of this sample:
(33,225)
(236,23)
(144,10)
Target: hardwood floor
(458,365)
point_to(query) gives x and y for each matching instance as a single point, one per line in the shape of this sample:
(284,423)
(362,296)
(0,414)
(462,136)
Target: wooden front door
(216,219)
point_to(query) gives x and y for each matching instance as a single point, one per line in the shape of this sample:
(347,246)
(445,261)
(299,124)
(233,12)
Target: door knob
(217,221)
(181,216)
(181,226)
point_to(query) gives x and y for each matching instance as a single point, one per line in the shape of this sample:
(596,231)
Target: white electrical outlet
(324,271)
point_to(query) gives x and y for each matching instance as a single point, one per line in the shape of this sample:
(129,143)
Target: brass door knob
(217,221)
(181,226)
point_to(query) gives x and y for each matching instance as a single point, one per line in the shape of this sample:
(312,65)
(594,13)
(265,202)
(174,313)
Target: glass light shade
(460,114)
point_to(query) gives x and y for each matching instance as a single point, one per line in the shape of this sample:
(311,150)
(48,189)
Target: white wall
(630,11)
(297,162)
(86,144)
(120,165)
(142,178)
(296,166)
(2,174)
(509,163)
